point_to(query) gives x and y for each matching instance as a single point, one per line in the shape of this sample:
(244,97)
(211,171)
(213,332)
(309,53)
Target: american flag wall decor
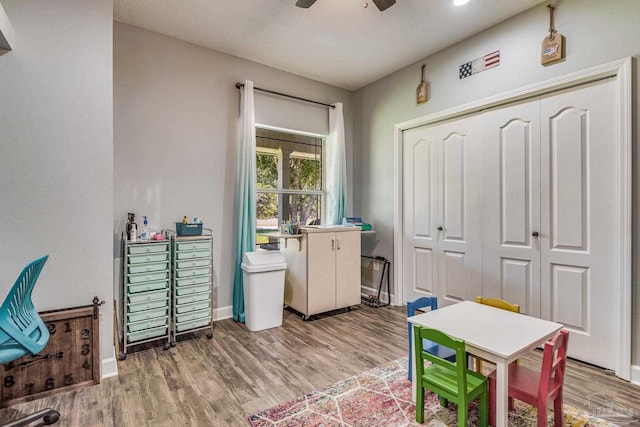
(478,65)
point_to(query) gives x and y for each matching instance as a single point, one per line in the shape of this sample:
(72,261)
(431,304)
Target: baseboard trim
(222,313)
(109,367)
(635,375)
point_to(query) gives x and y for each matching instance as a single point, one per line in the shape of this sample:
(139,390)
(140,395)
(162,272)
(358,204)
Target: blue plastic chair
(428,346)
(22,331)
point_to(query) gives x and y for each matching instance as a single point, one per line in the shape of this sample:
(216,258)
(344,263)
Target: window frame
(282,191)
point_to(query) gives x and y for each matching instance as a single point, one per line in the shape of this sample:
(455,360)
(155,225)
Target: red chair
(537,388)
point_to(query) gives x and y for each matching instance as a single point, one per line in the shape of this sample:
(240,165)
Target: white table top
(500,332)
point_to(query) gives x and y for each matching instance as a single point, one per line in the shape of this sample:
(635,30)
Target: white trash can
(263,274)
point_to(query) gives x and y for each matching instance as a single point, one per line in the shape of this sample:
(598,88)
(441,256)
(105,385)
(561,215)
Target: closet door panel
(460,247)
(511,207)
(580,148)
(420,201)
(568,178)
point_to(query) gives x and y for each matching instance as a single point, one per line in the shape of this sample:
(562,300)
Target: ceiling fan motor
(380,4)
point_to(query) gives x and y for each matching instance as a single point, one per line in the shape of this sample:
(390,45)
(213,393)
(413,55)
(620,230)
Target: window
(289,182)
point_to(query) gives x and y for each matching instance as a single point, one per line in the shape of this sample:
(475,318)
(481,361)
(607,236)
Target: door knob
(535,234)
(440,228)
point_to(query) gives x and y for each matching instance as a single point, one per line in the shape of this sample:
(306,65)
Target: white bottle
(144,234)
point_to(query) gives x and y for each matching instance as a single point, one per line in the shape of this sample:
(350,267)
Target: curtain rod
(239,85)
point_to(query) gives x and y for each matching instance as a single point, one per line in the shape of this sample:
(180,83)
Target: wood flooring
(219,382)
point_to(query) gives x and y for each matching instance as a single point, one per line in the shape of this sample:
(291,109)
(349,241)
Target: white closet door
(460,214)
(511,205)
(580,194)
(442,181)
(420,202)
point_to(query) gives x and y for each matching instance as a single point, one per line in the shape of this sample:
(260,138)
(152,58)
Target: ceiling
(339,42)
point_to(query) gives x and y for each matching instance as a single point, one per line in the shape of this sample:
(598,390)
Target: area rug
(381,397)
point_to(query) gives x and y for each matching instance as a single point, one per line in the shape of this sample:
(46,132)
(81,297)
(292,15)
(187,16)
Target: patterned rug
(381,397)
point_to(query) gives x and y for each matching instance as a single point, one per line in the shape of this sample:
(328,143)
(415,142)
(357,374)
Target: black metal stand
(374,300)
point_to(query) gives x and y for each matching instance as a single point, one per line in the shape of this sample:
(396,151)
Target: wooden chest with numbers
(70,359)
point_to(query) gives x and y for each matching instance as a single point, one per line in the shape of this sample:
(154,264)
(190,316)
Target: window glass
(289,182)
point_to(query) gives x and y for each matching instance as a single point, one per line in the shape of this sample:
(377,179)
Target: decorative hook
(552,29)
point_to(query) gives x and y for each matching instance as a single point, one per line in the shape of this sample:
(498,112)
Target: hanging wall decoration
(479,65)
(553,45)
(422,92)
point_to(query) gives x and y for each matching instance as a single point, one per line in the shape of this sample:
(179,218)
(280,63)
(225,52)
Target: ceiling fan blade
(382,4)
(306,3)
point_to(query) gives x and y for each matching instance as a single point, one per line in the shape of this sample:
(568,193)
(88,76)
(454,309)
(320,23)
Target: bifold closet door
(550,213)
(580,199)
(441,211)
(511,205)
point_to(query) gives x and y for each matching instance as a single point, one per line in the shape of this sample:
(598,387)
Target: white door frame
(621,70)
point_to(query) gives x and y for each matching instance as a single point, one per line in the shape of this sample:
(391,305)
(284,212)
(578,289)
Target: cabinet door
(347,268)
(321,272)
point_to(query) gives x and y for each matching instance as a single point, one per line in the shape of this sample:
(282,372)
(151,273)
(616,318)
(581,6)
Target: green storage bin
(193,245)
(151,257)
(188,229)
(185,326)
(188,281)
(148,286)
(148,305)
(186,290)
(187,308)
(145,248)
(147,314)
(147,324)
(190,263)
(145,268)
(189,272)
(193,297)
(146,334)
(193,254)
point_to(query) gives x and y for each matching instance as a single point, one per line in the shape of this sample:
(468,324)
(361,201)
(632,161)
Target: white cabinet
(323,272)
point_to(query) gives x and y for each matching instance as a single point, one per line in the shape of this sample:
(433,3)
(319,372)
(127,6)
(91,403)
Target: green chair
(450,381)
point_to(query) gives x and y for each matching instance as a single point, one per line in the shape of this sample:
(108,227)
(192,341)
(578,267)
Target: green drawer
(193,246)
(147,333)
(186,290)
(193,315)
(193,272)
(187,308)
(146,248)
(146,277)
(147,324)
(147,314)
(148,296)
(148,286)
(186,281)
(190,263)
(147,305)
(185,326)
(145,268)
(193,254)
(191,298)
(152,257)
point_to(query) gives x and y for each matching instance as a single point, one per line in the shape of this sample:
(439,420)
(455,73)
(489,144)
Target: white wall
(175,131)
(56,158)
(596,32)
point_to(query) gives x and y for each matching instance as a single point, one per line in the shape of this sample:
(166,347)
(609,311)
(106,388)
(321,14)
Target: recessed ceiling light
(460,2)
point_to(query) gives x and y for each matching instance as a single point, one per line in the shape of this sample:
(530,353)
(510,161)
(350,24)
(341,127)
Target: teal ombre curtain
(245,193)
(336,183)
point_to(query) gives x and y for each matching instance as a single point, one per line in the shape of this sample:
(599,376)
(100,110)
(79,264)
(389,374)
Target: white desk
(496,335)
